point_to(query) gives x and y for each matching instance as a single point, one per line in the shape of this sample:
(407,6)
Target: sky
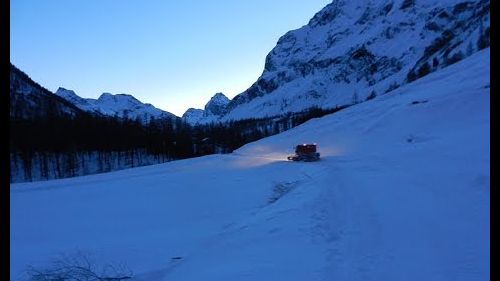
(172,54)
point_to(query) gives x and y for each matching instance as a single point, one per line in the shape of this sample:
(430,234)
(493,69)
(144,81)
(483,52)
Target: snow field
(401,193)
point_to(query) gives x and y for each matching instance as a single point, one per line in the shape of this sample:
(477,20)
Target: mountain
(351,50)
(71,96)
(29,100)
(402,192)
(120,105)
(217,104)
(215,108)
(194,116)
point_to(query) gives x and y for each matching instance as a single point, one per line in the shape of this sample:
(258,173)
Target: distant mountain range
(120,105)
(30,100)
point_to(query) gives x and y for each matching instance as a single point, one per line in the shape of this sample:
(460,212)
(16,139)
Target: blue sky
(173,54)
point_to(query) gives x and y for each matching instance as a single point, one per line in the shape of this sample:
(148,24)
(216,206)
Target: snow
(71,96)
(214,109)
(396,38)
(402,192)
(193,116)
(217,104)
(120,105)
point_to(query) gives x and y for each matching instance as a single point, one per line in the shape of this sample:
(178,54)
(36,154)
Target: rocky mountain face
(351,51)
(217,104)
(29,100)
(214,110)
(120,105)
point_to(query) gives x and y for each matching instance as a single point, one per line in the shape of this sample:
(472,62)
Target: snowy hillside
(402,192)
(71,96)
(29,100)
(353,49)
(120,105)
(214,109)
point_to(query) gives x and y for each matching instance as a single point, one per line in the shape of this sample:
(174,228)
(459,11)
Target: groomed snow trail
(401,193)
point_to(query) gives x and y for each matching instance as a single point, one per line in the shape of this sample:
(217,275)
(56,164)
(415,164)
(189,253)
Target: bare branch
(79,267)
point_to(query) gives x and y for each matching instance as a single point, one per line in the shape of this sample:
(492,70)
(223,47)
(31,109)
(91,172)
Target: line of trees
(58,146)
(226,137)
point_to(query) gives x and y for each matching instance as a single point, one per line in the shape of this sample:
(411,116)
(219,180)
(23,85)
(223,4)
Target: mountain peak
(217,104)
(327,14)
(193,116)
(118,98)
(120,105)
(214,109)
(219,95)
(71,96)
(63,91)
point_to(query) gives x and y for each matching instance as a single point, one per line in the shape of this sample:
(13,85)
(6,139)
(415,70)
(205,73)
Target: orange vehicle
(305,152)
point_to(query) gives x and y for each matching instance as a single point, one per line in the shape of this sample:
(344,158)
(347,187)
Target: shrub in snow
(78,267)
(280,189)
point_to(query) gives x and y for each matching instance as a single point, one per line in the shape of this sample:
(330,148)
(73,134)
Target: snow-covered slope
(402,192)
(29,100)
(126,106)
(215,108)
(71,96)
(353,48)
(120,105)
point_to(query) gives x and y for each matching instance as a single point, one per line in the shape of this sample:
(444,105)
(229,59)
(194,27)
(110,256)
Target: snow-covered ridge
(351,49)
(30,100)
(71,96)
(120,105)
